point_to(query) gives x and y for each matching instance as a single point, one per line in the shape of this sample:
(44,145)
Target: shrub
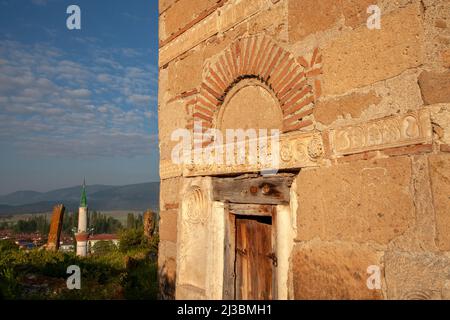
(101,248)
(132,239)
(9,287)
(8,245)
(140,280)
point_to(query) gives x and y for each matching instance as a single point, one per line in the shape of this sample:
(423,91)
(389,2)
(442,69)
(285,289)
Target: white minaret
(82,235)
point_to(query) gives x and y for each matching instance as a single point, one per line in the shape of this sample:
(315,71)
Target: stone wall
(380,100)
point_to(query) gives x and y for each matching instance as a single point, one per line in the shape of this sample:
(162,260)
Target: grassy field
(127,272)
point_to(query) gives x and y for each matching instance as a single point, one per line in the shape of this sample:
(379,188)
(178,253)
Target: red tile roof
(104,237)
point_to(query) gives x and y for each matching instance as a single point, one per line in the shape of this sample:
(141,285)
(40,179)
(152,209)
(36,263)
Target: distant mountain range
(136,197)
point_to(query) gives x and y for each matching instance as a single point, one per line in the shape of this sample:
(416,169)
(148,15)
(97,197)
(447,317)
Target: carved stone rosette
(195,206)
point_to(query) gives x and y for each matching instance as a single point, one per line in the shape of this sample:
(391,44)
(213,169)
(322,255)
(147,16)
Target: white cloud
(78,93)
(140,99)
(51,104)
(103,109)
(105,78)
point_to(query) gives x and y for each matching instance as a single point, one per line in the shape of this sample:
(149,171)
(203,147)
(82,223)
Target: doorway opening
(235,237)
(255,258)
(251,255)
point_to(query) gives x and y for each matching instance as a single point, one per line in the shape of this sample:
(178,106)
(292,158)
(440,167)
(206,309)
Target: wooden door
(254,258)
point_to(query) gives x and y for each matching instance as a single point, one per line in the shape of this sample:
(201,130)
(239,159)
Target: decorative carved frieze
(395,131)
(296,150)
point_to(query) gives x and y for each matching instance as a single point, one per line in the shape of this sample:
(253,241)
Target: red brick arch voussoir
(293,80)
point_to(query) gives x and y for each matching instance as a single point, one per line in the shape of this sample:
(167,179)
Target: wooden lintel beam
(260,190)
(251,209)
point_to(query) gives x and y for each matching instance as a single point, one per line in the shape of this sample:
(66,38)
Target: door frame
(235,191)
(251,210)
(218,228)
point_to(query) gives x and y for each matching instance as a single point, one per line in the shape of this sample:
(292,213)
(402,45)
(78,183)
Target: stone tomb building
(360,205)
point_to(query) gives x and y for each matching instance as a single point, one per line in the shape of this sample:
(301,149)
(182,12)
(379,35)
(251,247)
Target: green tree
(130,221)
(4,225)
(132,239)
(102,248)
(104,224)
(34,224)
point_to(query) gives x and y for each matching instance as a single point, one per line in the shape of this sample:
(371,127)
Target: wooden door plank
(253,265)
(251,209)
(274,251)
(229,273)
(261,190)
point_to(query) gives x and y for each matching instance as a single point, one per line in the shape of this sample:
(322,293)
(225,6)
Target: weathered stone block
(420,237)
(362,56)
(182,12)
(311,16)
(163,87)
(217,44)
(440,181)
(354,104)
(167,253)
(172,116)
(186,74)
(323,270)
(446,58)
(363,201)
(165,4)
(271,21)
(435,87)
(440,117)
(416,276)
(167,269)
(168,225)
(167,249)
(355,11)
(229,16)
(170,192)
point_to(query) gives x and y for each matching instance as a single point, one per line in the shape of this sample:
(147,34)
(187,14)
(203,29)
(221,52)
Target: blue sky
(77,103)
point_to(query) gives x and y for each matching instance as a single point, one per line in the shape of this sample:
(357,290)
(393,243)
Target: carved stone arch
(290,79)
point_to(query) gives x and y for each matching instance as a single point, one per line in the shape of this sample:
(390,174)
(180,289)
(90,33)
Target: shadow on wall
(166,279)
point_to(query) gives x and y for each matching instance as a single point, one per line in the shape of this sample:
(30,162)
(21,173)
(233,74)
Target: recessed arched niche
(250,104)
